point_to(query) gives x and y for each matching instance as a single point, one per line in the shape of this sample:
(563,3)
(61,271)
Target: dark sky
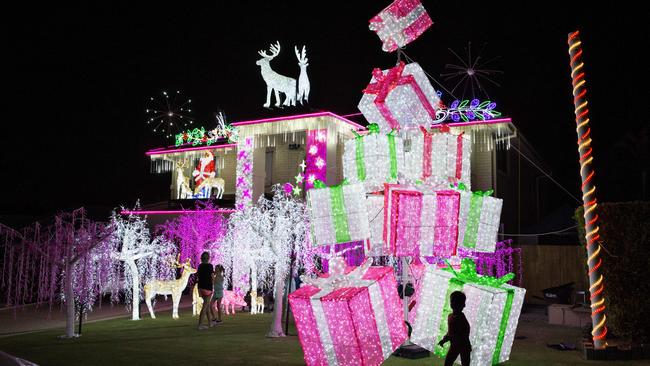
(79,78)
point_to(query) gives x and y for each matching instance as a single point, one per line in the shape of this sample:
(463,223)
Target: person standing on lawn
(217,295)
(457,332)
(204,276)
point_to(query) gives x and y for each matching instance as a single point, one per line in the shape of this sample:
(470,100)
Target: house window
(268,166)
(503,160)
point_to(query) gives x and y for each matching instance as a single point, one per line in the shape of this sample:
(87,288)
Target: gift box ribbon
(468,274)
(339,213)
(474,216)
(339,280)
(384,84)
(373,128)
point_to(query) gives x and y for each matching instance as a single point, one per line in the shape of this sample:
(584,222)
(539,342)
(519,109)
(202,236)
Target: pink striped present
(349,319)
(400,23)
(418,223)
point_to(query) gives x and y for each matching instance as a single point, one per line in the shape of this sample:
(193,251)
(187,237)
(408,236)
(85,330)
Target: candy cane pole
(594,261)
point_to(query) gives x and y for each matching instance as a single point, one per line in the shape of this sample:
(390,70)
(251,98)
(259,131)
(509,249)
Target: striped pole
(594,261)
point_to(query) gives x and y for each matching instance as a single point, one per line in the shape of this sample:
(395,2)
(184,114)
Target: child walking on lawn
(457,332)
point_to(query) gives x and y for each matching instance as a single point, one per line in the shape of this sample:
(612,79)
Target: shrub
(625,235)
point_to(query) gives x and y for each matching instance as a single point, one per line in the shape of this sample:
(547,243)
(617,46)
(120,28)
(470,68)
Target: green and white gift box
(373,159)
(492,310)
(479,217)
(338,213)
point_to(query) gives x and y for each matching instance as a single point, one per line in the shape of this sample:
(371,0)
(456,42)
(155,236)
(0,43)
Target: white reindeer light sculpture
(172,287)
(274,81)
(182,182)
(303,80)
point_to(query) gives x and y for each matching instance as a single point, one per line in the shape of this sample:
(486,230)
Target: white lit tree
(262,241)
(143,259)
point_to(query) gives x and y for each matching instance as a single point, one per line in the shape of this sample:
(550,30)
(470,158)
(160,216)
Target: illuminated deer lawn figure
(215,182)
(171,287)
(274,81)
(303,80)
(257,303)
(182,182)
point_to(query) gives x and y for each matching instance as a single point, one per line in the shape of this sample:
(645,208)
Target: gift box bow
(468,274)
(462,187)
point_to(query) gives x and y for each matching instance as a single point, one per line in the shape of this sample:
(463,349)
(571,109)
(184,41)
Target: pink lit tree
(68,260)
(196,232)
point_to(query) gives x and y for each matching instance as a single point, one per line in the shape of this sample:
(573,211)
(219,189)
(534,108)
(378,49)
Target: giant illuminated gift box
(479,219)
(420,223)
(338,213)
(439,156)
(373,159)
(400,97)
(400,23)
(352,318)
(492,310)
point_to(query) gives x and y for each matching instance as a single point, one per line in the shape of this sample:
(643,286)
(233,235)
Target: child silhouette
(457,332)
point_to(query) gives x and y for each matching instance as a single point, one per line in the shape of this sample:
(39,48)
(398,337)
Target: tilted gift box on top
(400,23)
(492,310)
(338,213)
(420,223)
(400,97)
(373,159)
(349,319)
(479,219)
(438,156)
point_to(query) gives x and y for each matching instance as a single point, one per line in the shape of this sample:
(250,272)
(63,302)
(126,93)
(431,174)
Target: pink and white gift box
(349,319)
(418,223)
(439,156)
(400,97)
(400,23)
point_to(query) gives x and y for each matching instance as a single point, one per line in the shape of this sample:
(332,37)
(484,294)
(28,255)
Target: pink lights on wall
(244,185)
(316,157)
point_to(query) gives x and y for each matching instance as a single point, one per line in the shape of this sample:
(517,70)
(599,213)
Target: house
(502,160)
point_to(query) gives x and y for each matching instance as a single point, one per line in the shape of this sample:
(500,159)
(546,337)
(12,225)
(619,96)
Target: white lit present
(439,156)
(400,97)
(373,159)
(478,220)
(492,310)
(338,213)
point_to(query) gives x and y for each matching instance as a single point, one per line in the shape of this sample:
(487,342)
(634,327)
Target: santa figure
(204,170)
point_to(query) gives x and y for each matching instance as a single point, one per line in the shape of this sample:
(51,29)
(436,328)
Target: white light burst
(169,114)
(470,72)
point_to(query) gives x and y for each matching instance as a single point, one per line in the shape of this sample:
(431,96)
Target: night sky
(79,78)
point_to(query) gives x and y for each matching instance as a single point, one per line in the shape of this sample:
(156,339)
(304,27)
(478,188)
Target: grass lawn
(239,340)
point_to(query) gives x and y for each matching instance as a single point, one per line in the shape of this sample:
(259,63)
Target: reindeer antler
(274,48)
(302,57)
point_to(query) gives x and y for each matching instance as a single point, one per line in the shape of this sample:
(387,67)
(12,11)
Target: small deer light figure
(171,287)
(274,81)
(257,303)
(303,80)
(182,182)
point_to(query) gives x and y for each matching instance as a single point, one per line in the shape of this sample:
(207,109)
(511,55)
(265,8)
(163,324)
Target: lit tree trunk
(276,326)
(253,287)
(69,300)
(135,297)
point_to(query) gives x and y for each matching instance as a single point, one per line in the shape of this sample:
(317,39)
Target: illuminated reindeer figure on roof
(282,84)
(171,287)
